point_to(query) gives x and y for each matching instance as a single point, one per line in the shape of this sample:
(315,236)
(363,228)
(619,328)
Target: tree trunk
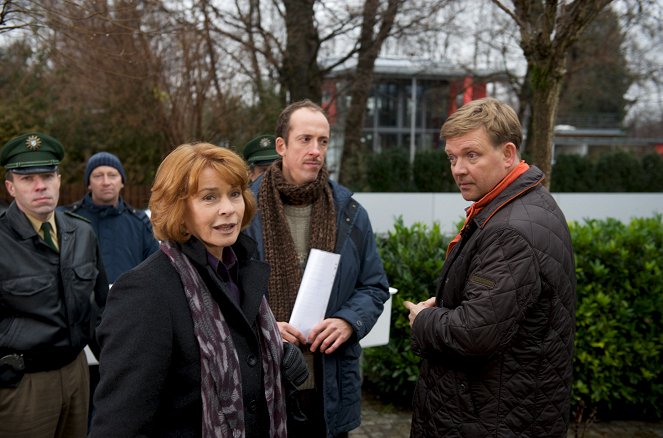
(301,72)
(354,150)
(547,31)
(545,86)
(353,172)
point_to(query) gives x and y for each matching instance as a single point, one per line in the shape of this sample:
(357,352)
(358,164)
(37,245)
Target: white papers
(91,360)
(315,289)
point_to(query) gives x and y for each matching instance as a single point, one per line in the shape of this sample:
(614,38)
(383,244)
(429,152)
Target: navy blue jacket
(359,292)
(124,233)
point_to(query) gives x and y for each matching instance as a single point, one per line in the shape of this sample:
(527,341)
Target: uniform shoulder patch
(77,216)
(140,214)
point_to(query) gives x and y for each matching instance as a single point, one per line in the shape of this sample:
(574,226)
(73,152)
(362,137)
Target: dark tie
(46,228)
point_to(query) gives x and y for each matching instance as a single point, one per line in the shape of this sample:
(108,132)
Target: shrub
(432,173)
(573,173)
(652,168)
(618,361)
(618,172)
(618,365)
(390,171)
(413,260)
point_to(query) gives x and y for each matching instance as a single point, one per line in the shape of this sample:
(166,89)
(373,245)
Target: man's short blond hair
(498,119)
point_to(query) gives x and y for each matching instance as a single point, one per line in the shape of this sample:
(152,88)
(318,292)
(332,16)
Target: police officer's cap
(261,150)
(32,152)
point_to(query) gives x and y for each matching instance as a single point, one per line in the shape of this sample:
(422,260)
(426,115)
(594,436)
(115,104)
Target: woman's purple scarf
(221,383)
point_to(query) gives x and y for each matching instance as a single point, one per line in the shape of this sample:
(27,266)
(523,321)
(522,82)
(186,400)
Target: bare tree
(11,16)
(642,22)
(158,72)
(548,28)
(300,64)
(376,27)
(291,58)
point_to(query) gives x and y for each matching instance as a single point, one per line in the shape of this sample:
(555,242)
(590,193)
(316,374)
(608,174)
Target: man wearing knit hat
(53,288)
(124,233)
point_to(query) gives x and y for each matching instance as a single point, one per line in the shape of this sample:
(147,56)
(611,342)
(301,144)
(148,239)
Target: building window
(387,100)
(388,116)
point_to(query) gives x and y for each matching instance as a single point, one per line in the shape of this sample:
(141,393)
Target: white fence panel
(448,208)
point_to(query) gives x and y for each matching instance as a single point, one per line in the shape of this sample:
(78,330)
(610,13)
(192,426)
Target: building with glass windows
(409,101)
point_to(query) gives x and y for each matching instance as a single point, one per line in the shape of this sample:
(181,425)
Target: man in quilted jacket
(497,337)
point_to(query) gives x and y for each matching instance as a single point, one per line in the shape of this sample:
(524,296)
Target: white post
(413,119)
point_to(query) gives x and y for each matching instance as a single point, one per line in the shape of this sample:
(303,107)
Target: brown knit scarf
(280,251)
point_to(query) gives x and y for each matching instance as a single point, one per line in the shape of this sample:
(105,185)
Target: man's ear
(510,154)
(280,146)
(9,186)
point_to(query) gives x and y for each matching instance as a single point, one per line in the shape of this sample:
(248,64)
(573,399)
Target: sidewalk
(382,421)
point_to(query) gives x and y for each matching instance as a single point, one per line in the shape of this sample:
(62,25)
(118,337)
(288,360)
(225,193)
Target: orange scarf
(475,208)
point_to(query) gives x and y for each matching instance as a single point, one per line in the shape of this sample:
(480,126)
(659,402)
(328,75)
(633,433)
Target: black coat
(498,350)
(150,359)
(49,301)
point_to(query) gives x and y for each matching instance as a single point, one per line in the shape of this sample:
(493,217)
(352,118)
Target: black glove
(293,366)
(293,373)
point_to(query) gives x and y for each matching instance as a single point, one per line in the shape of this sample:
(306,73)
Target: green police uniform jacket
(49,302)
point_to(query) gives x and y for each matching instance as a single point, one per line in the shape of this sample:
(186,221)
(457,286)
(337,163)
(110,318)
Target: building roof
(409,67)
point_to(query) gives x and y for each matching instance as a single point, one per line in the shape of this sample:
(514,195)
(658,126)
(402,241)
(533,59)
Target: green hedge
(573,174)
(389,171)
(413,260)
(432,173)
(621,171)
(618,363)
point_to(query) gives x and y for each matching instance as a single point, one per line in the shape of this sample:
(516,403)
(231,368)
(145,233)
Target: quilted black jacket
(497,351)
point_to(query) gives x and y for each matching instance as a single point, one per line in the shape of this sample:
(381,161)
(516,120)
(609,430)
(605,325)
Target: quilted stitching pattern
(498,360)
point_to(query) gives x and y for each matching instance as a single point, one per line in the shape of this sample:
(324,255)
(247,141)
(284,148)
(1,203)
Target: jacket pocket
(86,272)
(25,294)
(465,397)
(81,289)
(349,378)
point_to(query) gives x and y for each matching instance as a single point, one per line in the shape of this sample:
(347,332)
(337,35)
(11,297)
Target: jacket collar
(104,210)
(196,251)
(253,274)
(527,181)
(20,222)
(22,226)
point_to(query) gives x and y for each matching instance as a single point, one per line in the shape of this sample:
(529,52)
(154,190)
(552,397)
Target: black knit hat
(103,159)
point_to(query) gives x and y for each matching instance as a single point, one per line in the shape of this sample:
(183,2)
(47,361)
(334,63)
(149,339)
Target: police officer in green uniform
(53,288)
(260,153)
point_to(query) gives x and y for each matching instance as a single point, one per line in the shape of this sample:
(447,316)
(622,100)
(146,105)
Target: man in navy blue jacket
(301,209)
(124,233)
